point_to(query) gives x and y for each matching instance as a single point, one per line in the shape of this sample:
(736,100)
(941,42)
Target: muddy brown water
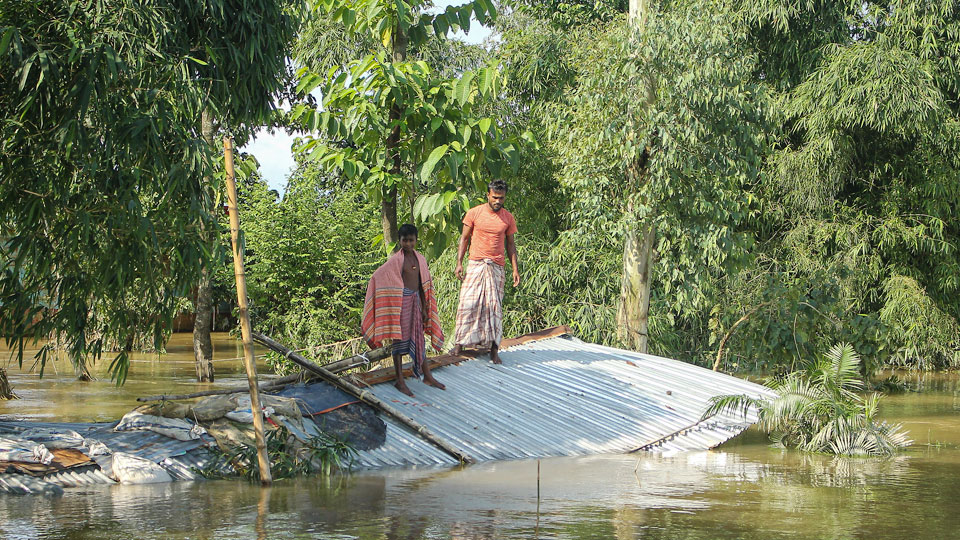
(742,490)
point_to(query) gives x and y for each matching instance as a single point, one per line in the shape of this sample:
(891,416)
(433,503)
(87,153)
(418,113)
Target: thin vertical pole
(537,528)
(245,330)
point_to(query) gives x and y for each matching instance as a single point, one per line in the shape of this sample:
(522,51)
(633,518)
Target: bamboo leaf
(5,39)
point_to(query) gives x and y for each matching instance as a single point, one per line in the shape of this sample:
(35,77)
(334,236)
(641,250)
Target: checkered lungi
(480,313)
(411,328)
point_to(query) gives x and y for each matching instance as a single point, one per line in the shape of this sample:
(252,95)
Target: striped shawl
(384,301)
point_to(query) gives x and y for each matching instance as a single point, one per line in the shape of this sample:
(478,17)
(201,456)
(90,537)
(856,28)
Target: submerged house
(554,395)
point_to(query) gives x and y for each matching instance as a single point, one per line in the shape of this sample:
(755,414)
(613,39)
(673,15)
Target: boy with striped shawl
(400,307)
(488,229)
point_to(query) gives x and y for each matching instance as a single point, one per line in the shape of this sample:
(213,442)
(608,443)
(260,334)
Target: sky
(273,150)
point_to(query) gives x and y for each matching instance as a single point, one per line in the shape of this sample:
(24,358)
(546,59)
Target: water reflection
(753,493)
(744,490)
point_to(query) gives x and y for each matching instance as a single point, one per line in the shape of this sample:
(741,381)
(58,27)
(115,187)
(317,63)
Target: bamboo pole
(365,396)
(245,329)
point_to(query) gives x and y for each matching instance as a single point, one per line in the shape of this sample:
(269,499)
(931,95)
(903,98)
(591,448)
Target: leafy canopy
(101,166)
(665,128)
(392,125)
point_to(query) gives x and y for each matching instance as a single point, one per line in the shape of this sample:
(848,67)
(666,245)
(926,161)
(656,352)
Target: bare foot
(402,386)
(428,379)
(457,349)
(495,357)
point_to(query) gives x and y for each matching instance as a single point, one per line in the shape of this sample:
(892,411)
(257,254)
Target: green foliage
(288,457)
(442,144)
(664,128)
(383,20)
(308,256)
(566,13)
(101,172)
(817,409)
(847,232)
(861,182)
(325,44)
(384,119)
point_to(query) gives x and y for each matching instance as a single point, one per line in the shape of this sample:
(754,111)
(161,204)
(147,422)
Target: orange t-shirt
(490,230)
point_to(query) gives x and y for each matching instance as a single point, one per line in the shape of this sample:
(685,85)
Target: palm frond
(817,409)
(840,369)
(732,403)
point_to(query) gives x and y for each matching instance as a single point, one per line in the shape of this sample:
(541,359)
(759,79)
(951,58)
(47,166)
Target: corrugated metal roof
(553,397)
(563,397)
(21,484)
(400,441)
(80,476)
(403,449)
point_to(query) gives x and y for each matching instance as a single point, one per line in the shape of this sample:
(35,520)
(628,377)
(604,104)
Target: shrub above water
(818,409)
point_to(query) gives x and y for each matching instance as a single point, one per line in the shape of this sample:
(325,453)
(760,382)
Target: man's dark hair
(497,186)
(407,230)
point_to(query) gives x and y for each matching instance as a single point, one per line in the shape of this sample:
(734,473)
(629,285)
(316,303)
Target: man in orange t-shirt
(488,229)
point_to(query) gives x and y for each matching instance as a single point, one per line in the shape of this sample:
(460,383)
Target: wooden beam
(334,367)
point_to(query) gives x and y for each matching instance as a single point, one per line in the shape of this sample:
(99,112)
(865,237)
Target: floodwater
(743,490)
(59,397)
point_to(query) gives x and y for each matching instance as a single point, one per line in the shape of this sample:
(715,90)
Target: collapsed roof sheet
(563,397)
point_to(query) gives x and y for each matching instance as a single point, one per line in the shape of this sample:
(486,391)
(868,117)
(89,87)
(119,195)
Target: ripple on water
(744,490)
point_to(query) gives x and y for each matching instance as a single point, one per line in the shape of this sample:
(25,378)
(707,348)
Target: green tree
(308,255)
(240,66)
(394,126)
(858,233)
(102,191)
(659,141)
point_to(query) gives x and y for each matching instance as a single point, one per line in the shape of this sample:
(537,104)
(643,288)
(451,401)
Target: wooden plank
(546,333)
(388,374)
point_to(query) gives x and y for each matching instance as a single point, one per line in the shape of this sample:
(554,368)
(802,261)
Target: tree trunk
(388,217)
(6,392)
(388,207)
(634,309)
(638,10)
(203,313)
(633,314)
